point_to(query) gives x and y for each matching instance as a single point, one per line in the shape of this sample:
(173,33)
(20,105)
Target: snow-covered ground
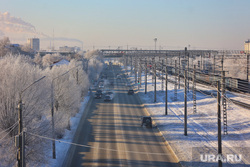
(201,138)
(202,125)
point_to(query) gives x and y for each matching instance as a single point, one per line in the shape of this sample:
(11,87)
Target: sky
(103,24)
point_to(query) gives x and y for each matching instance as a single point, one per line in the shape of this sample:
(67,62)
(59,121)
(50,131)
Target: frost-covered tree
(4,43)
(49,59)
(90,54)
(17,73)
(70,83)
(80,75)
(38,59)
(26,48)
(95,66)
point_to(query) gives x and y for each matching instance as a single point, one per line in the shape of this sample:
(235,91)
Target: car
(130,92)
(101,86)
(146,121)
(99,91)
(107,98)
(98,96)
(118,77)
(110,94)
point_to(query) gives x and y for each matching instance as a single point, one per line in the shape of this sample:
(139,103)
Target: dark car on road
(107,98)
(130,92)
(98,96)
(99,91)
(146,121)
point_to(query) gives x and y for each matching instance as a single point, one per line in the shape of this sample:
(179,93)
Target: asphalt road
(113,135)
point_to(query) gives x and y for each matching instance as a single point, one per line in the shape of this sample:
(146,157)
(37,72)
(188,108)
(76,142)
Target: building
(66,49)
(34,43)
(247,46)
(69,49)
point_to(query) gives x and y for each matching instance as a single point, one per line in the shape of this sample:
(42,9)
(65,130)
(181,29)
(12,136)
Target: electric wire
(100,148)
(8,132)
(8,128)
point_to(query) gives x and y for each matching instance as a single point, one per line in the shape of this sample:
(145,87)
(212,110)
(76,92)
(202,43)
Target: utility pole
(194,90)
(21,156)
(248,70)
(179,71)
(52,113)
(222,62)
(166,89)
(146,73)
(162,75)
(175,82)
(136,70)
(155,81)
(224,102)
(219,124)
(188,72)
(21,133)
(53,122)
(140,70)
(187,66)
(201,65)
(214,65)
(153,69)
(185,104)
(131,67)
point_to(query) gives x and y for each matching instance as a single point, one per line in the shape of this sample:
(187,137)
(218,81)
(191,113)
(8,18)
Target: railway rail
(236,102)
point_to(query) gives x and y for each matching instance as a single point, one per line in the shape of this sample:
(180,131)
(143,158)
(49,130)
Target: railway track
(239,103)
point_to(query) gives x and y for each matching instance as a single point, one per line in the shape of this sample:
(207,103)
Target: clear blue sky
(211,24)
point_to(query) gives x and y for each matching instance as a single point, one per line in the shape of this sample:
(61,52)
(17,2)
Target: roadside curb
(71,149)
(159,131)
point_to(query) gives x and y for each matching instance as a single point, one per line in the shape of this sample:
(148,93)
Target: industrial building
(34,43)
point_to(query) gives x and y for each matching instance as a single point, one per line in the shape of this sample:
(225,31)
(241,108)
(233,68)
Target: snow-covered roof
(61,62)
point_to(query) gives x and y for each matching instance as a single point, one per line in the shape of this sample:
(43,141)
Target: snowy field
(201,141)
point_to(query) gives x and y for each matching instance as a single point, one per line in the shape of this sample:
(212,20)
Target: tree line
(70,85)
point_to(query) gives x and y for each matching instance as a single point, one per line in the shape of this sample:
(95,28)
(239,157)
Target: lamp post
(52,111)
(21,147)
(155,39)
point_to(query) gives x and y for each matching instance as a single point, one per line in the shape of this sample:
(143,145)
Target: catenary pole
(166,89)
(185,104)
(219,123)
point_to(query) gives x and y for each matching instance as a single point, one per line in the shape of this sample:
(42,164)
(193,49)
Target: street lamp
(21,148)
(155,39)
(52,111)
(52,115)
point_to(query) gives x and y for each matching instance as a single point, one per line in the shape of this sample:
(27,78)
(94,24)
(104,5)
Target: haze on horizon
(206,24)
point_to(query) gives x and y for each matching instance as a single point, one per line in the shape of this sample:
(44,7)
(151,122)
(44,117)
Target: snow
(61,62)
(201,126)
(61,147)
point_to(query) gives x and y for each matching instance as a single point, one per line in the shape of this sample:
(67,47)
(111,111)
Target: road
(113,134)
